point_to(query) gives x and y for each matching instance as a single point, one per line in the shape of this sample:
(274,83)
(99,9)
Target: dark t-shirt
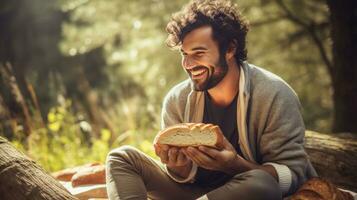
(226,119)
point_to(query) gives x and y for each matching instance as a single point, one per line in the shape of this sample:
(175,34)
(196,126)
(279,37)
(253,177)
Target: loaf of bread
(190,134)
(87,192)
(66,174)
(320,189)
(89,175)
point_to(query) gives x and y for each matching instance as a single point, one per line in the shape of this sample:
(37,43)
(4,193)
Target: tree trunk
(22,179)
(17,98)
(334,157)
(344,66)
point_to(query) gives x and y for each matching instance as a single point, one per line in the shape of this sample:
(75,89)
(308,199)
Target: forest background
(81,77)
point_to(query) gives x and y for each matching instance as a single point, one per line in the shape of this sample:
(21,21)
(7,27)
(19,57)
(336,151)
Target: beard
(215,75)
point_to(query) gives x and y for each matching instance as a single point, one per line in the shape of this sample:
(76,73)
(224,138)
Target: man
(262,156)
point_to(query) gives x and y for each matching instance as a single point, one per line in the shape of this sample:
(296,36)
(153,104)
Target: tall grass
(67,141)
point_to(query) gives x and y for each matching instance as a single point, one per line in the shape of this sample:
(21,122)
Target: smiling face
(202,60)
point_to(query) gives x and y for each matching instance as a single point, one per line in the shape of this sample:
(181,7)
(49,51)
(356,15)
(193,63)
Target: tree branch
(321,48)
(301,33)
(290,15)
(267,21)
(311,28)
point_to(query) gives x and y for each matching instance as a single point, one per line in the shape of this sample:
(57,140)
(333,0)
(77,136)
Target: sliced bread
(190,134)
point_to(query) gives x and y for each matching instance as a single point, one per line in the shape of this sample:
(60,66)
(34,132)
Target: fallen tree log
(21,178)
(334,157)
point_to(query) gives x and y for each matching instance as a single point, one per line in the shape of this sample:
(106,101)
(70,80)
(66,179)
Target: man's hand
(174,158)
(225,159)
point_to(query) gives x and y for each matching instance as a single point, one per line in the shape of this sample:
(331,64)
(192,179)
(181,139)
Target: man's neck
(224,93)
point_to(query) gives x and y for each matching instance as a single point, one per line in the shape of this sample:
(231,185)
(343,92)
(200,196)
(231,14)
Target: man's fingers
(172,155)
(227,145)
(200,157)
(182,158)
(164,147)
(214,153)
(164,156)
(193,158)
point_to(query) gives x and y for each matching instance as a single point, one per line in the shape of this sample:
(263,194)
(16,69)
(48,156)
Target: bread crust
(320,189)
(188,127)
(67,174)
(89,175)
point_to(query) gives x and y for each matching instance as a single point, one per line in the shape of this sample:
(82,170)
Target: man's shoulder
(265,83)
(180,91)
(263,77)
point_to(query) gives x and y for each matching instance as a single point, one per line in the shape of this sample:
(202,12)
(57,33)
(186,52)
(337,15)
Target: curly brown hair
(226,21)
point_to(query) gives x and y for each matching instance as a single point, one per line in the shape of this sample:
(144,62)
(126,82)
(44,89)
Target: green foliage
(67,142)
(277,43)
(140,70)
(133,36)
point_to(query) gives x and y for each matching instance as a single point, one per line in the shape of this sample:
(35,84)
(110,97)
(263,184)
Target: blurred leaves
(111,67)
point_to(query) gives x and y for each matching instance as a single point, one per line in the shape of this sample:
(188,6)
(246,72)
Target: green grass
(65,142)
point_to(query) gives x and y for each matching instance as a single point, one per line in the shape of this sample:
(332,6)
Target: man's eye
(200,54)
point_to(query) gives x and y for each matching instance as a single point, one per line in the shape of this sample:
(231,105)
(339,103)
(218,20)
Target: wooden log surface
(21,178)
(334,157)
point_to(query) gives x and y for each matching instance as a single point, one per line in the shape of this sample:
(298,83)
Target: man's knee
(121,154)
(261,184)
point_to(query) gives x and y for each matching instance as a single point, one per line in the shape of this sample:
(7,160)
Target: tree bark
(334,157)
(343,17)
(22,179)
(17,97)
(343,66)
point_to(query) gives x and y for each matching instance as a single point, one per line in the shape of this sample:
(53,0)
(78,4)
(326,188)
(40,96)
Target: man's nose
(188,63)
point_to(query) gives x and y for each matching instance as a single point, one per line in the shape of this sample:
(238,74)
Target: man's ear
(231,51)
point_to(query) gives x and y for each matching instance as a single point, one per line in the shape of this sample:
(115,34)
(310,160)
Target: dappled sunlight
(108,62)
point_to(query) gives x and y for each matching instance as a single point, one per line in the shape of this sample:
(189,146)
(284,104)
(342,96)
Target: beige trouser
(131,174)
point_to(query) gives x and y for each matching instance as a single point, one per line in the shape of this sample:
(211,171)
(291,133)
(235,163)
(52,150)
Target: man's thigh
(250,185)
(131,173)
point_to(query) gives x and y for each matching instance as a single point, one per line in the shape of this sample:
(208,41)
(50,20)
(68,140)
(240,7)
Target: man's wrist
(242,165)
(181,171)
(239,165)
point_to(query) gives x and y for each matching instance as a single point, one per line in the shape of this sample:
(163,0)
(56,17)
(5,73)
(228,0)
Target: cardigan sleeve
(281,143)
(171,115)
